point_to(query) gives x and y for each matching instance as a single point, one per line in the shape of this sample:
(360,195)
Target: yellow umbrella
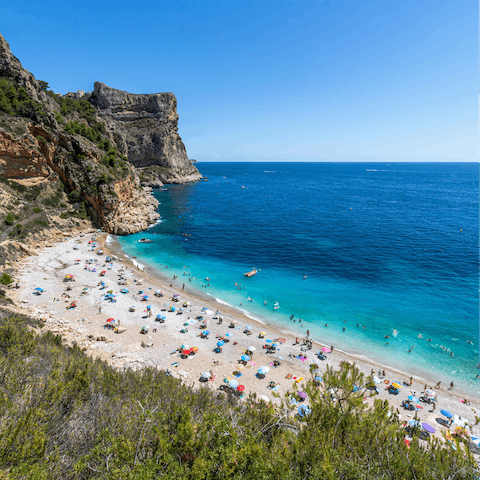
(396,385)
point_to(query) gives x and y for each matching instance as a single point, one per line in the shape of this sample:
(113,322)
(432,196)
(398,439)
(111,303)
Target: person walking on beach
(183,288)
(308,333)
(438,385)
(451,386)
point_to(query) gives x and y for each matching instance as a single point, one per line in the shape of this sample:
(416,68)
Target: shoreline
(423,377)
(125,350)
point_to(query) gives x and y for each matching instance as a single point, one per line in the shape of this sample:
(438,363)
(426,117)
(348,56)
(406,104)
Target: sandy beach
(86,325)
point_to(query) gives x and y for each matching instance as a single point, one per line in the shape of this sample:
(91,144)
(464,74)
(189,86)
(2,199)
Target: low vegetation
(65,415)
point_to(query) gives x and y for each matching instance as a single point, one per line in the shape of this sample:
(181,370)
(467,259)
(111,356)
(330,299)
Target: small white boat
(145,240)
(276,306)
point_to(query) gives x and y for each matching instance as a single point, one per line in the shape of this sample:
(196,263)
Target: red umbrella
(241,388)
(187,352)
(110,320)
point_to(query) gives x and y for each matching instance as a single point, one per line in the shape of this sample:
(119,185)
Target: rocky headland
(100,152)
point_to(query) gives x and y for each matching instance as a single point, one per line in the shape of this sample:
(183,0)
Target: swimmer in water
(387,336)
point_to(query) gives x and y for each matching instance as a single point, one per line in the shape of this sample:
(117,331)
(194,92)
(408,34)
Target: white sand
(48,269)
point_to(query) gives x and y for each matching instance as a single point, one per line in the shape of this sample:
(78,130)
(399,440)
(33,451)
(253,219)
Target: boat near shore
(145,240)
(251,273)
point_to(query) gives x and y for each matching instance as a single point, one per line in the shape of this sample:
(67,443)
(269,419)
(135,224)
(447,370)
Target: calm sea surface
(390,247)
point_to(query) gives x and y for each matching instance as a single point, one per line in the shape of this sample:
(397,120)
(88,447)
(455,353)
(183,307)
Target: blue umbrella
(159,316)
(102,283)
(228,334)
(415,423)
(233,383)
(317,378)
(263,370)
(303,410)
(245,358)
(446,413)
(149,307)
(38,289)
(206,332)
(221,343)
(412,398)
(248,327)
(274,345)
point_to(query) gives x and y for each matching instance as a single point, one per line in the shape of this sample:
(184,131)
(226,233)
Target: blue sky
(274,81)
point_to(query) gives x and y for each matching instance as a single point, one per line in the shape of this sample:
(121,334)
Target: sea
(380,260)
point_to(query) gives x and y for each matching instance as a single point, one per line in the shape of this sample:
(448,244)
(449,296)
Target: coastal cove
(389,247)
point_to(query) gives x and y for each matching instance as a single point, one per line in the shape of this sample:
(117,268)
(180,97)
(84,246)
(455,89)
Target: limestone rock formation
(145,128)
(105,146)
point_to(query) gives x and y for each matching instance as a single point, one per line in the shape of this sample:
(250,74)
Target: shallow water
(385,246)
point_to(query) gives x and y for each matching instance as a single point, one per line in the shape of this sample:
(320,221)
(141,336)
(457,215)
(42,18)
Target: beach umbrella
(414,423)
(102,283)
(302,394)
(110,320)
(149,307)
(206,332)
(274,345)
(158,291)
(245,358)
(475,440)
(263,370)
(233,383)
(221,343)
(205,375)
(38,289)
(303,410)
(145,298)
(396,385)
(430,393)
(228,335)
(428,428)
(251,349)
(446,413)
(376,380)
(133,306)
(241,388)
(317,378)
(109,291)
(264,398)
(413,398)
(248,327)
(326,350)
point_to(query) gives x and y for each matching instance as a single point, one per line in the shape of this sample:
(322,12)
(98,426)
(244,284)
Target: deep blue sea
(387,247)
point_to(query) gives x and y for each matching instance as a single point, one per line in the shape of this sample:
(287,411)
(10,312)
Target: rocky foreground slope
(90,146)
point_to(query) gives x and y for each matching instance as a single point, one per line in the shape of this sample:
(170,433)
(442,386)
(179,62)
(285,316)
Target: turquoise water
(384,246)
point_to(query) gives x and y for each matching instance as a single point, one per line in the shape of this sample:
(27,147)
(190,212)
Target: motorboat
(276,306)
(145,240)
(251,273)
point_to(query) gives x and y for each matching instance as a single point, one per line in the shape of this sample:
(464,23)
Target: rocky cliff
(145,129)
(102,148)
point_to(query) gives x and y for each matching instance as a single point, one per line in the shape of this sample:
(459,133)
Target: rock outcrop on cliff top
(91,143)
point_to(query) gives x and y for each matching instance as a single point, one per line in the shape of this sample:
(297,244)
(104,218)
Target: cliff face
(145,128)
(105,147)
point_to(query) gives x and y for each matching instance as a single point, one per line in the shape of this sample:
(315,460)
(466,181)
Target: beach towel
(299,379)
(212,378)
(289,376)
(282,340)
(252,362)
(175,364)
(274,389)
(294,377)
(238,375)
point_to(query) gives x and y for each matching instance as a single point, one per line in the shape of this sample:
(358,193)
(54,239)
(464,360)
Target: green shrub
(6,279)
(37,210)
(10,218)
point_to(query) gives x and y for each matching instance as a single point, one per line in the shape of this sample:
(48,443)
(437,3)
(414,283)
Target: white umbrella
(460,421)
(264,398)
(205,375)
(251,349)
(376,380)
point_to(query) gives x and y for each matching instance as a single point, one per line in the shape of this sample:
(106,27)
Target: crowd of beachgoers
(94,295)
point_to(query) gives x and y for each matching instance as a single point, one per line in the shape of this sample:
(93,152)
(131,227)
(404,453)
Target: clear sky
(274,80)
